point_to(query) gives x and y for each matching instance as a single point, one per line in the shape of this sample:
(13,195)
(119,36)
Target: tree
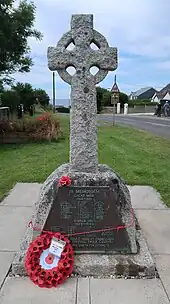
(26,94)
(106,99)
(10,99)
(16,26)
(42,97)
(103,98)
(99,93)
(123,98)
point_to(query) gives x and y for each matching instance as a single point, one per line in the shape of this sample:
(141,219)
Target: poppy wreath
(59,273)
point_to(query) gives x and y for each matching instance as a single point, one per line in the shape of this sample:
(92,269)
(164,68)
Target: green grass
(140,158)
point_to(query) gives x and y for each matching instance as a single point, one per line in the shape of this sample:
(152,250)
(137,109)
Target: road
(159,126)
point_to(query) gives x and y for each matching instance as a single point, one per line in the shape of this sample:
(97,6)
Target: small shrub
(63,110)
(44,127)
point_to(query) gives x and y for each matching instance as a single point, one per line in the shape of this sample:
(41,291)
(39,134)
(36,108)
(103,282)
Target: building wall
(155,98)
(167,96)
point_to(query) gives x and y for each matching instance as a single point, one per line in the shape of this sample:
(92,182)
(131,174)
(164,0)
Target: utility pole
(54,93)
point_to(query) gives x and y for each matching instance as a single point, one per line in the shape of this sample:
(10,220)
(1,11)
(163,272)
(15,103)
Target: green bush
(63,110)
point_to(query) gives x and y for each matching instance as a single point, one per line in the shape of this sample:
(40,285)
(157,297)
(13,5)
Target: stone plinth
(138,262)
(105,177)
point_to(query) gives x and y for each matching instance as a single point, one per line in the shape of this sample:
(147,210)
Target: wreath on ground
(44,268)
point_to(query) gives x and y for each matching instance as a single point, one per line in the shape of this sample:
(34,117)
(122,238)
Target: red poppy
(40,118)
(65,181)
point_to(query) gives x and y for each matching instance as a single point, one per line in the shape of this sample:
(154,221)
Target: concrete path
(156,125)
(154,218)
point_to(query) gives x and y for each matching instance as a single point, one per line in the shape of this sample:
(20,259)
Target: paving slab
(26,194)
(163,267)
(6,259)
(23,291)
(13,221)
(127,291)
(83,291)
(23,194)
(146,197)
(155,225)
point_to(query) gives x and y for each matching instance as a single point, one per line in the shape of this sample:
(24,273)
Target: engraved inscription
(79,210)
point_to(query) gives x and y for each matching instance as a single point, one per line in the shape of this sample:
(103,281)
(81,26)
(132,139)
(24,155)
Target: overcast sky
(140,29)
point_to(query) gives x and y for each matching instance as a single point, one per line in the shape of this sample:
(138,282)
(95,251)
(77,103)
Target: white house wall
(167,96)
(155,98)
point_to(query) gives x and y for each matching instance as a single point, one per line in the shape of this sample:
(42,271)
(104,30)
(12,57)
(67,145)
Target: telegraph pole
(54,93)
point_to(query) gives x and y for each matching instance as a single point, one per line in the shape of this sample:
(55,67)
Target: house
(162,94)
(144,93)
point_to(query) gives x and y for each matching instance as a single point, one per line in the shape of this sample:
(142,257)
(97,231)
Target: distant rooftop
(164,91)
(141,91)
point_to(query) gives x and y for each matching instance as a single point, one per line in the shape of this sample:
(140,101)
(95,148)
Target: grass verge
(140,158)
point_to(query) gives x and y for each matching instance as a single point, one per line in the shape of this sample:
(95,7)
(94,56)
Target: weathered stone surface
(163,267)
(104,177)
(83,130)
(22,290)
(127,291)
(101,265)
(138,265)
(146,197)
(156,228)
(83,168)
(6,259)
(81,209)
(22,195)
(12,224)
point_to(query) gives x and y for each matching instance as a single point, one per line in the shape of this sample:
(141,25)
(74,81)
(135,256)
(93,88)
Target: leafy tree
(123,98)
(26,93)
(11,99)
(42,97)
(99,92)
(16,26)
(103,98)
(106,99)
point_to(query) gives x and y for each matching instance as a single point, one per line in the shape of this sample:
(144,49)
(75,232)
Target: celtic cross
(83,118)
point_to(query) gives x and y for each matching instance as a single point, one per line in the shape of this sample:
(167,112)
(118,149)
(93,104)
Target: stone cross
(83,118)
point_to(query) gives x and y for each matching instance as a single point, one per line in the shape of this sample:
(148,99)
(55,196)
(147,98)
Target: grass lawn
(140,158)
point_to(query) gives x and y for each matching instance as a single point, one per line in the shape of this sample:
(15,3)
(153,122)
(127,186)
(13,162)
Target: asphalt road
(159,126)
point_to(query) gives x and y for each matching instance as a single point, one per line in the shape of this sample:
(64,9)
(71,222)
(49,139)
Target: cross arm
(58,59)
(105,59)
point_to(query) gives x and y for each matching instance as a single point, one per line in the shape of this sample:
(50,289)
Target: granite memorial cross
(83,132)
(96,208)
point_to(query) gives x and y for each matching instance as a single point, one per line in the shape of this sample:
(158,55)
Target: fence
(131,110)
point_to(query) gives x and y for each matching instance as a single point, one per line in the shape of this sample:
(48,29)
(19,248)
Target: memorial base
(93,202)
(140,265)
(114,211)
